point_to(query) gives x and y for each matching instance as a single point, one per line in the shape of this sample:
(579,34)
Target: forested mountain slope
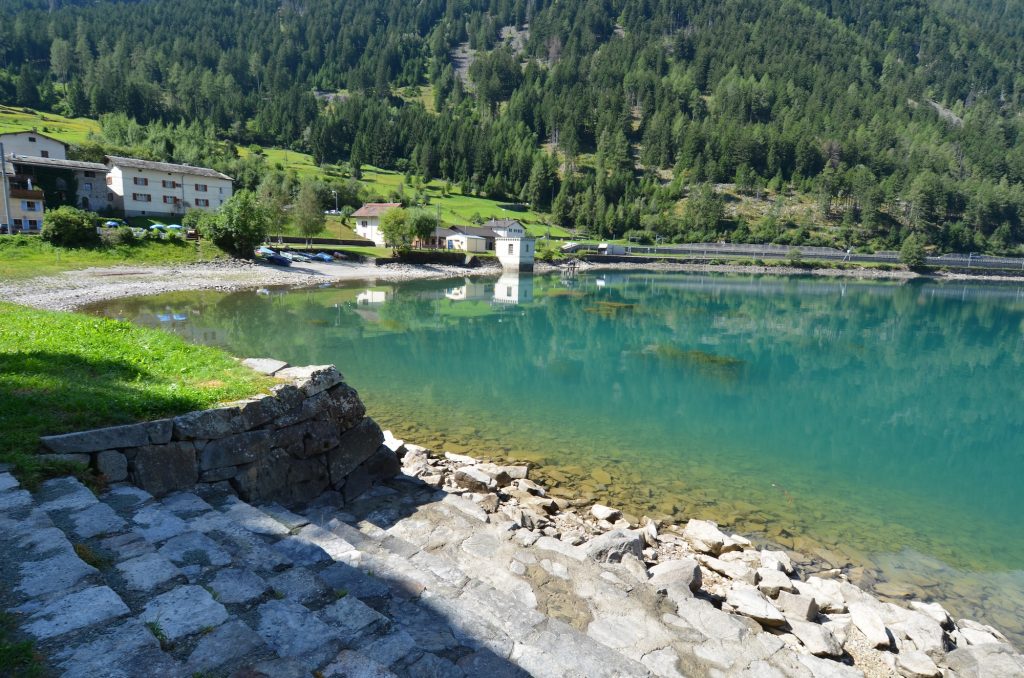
(898,117)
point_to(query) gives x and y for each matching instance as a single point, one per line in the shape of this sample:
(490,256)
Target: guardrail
(714,250)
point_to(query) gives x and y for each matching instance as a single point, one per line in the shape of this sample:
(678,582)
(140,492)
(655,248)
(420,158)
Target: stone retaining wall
(309,435)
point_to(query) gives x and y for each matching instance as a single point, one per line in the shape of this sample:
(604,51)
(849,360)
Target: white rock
(916,664)
(965,624)
(777,560)
(926,633)
(752,603)
(474,479)
(933,610)
(529,486)
(770,582)
(649,532)
(735,542)
(870,624)
(796,606)
(460,458)
(976,637)
(704,536)
(602,512)
(826,593)
(733,570)
(681,572)
(818,640)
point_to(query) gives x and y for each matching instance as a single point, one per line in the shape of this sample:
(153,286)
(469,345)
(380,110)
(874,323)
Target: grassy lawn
(69,130)
(62,372)
(25,256)
(335,229)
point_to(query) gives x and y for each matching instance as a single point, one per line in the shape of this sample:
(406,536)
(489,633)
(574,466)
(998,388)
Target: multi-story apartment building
(147,188)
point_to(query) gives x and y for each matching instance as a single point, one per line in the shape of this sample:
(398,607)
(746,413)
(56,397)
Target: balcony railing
(26,194)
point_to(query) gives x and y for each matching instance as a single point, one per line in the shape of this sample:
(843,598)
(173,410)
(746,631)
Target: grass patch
(158,633)
(18,658)
(27,256)
(68,130)
(62,372)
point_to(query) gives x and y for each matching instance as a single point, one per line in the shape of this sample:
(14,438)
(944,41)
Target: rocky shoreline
(814,611)
(76,289)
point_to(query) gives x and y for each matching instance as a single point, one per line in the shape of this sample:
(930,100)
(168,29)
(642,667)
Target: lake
(866,424)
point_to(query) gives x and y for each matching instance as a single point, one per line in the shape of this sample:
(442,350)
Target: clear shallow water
(871,424)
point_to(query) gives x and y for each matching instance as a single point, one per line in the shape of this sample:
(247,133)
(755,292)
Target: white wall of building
(34,144)
(147,192)
(369,228)
(516,254)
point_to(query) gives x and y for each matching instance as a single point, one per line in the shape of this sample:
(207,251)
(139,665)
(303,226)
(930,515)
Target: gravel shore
(74,289)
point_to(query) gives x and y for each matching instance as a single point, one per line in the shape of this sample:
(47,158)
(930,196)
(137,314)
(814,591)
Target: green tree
(307,213)
(193,217)
(241,225)
(422,225)
(704,210)
(912,251)
(396,228)
(69,227)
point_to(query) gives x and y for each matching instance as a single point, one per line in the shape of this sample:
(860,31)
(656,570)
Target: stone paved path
(405,581)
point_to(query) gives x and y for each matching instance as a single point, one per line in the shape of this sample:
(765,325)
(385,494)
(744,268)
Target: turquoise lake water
(873,425)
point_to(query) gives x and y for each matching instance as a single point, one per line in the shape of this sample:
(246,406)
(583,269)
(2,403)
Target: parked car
(322,256)
(278,260)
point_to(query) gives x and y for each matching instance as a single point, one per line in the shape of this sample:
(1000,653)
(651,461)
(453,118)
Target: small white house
(516,254)
(466,243)
(368,220)
(513,288)
(34,144)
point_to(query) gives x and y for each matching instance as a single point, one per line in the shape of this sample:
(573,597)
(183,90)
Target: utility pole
(7,205)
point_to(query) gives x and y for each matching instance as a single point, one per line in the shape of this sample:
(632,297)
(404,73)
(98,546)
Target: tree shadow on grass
(46,392)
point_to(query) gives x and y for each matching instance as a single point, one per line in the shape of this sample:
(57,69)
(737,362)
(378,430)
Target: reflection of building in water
(470,291)
(513,288)
(374,296)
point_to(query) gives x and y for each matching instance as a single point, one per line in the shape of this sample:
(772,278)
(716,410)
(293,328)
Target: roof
(35,134)
(476,230)
(467,236)
(502,223)
(442,232)
(135,163)
(375,209)
(36,161)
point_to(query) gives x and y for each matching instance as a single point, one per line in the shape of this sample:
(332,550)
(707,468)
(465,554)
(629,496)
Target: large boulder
(610,547)
(704,536)
(751,603)
(162,469)
(870,624)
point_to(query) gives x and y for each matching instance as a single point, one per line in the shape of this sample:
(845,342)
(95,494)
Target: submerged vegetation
(692,358)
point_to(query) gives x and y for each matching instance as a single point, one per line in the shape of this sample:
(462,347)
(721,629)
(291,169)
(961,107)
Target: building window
(33,224)
(87,186)
(200,188)
(511,248)
(110,181)
(29,206)
(110,196)
(32,140)
(222,190)
(90,175)
(142,197)
(200,202)
(17,223)
(169,183)
(140,181)
(45,154)
(170,200)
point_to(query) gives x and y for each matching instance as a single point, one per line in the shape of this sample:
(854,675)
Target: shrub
(912,251)
(70,227)
(240,226)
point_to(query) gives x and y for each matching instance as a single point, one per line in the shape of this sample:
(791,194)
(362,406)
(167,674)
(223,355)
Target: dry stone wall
(310,434)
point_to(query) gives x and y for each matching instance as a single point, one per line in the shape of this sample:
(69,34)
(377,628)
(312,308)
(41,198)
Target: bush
(240,226)
(70,227)
(912,251)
